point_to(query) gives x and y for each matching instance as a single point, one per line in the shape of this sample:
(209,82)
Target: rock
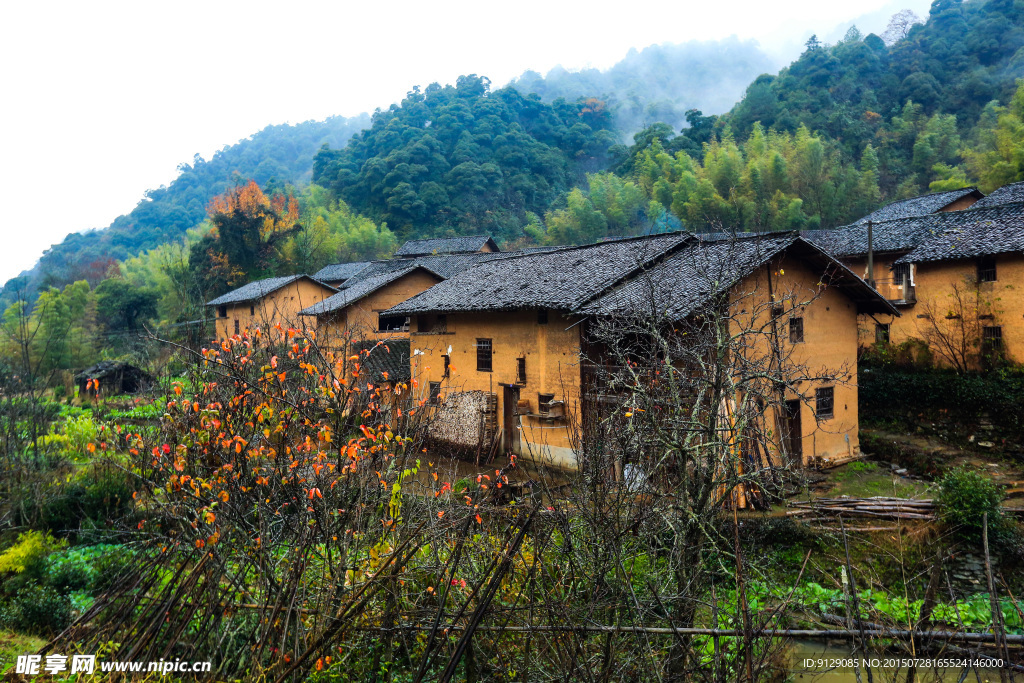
(986,444)
(902,472)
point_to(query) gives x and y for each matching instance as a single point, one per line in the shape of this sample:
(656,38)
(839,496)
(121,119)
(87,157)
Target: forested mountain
(843,129)
(954,68)
(660,82)
(466,160)
(275,155)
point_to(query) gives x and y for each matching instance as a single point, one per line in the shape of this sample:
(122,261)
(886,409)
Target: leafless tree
(899,26)
(953,327)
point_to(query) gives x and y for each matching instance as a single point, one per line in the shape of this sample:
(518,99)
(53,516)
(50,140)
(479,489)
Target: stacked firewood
(877,507)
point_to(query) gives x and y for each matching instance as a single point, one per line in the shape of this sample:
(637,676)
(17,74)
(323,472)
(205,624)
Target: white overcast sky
(102,100)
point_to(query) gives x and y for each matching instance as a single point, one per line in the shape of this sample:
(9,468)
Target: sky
(103,100)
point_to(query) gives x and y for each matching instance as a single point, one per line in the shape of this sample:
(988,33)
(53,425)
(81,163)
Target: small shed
(114,377)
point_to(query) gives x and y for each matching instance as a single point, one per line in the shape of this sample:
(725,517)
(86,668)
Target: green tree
(998,155)
(124,307)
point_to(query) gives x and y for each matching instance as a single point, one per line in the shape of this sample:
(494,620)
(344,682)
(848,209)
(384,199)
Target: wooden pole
(997,610)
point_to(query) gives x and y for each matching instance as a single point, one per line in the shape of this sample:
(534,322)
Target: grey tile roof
(690,278)
(562,280)
(445,245)
(1007,194)
(260,288)
(339,272)
(363,288)
(895,236)
(444,265)
(387,361)
(978,232)
(919,206)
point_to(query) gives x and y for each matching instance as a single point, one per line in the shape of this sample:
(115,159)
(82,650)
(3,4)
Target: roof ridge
(456,237)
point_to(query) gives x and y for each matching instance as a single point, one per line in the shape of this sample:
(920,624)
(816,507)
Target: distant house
(359,311)
(264,303)
(935,202)
(969,279)
(337,274)
(447,245)
(919,260)
(507,358)
(1007,194)
(368,288)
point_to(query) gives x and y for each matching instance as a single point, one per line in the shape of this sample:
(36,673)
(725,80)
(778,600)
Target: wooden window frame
(484,355)
(825,403)
(521,370)
(796,330)
(987,269)
(883,333)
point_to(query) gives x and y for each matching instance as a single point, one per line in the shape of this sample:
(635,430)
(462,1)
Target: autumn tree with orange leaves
(249,229)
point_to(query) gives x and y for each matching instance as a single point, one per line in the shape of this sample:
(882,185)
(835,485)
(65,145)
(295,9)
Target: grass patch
(13,644)
(864,479)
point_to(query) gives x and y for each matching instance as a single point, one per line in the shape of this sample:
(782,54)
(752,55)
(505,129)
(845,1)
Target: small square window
(778,311)
(796,330)
(520,370)
(825,398)
(544,403)
(987,269)
(881,333)
(435,393)
(484,353)
(222,311)
(901,274)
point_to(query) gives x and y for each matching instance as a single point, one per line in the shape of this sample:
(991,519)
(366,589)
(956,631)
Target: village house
(1007,194)
(498,349)
(932,267)
(265,303)
(922,205)
(366,290)
(888,236)
(474,244)
(358,311)
(337,274)
(969,279)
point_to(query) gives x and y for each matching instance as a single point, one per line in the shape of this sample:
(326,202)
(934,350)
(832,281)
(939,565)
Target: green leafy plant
(965,496)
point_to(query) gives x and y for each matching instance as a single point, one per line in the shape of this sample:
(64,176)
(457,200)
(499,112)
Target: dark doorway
(510,419)
(793,433)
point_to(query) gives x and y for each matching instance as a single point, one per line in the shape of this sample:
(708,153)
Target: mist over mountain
(660,82)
